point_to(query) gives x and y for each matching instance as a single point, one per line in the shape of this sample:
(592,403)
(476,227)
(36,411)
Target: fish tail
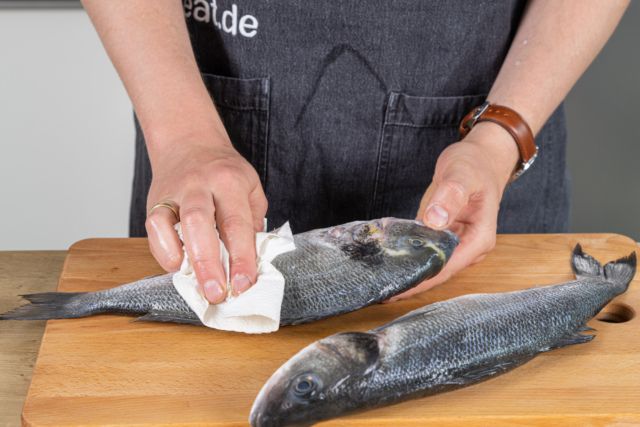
(620,271)
(48,305)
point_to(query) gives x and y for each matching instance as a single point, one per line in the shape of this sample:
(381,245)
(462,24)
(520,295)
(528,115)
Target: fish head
(323,381)
(414,239)
(391,241)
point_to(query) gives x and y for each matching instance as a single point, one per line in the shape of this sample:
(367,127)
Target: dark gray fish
(438,348)
(332,271)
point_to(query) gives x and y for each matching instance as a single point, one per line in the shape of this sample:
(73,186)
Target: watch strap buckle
(468,125)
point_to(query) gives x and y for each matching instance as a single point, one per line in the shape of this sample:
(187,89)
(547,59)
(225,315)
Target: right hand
(208,184)
(465,194)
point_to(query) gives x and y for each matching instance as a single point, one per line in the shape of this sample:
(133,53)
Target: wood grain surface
(22,272)
(105,370)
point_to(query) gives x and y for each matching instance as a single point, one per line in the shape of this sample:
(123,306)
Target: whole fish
(437,348)
(332,271)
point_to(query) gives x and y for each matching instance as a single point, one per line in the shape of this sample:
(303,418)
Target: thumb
(449,197)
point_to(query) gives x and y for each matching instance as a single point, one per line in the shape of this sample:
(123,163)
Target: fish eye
(304,385)
(416,242)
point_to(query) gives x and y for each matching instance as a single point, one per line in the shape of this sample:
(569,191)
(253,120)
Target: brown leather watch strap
(513,123)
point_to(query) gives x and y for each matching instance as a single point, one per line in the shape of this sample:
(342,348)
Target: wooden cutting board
(105,370)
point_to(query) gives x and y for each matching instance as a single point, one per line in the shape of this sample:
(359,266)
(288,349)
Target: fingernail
(213,291)
(240,284)
(437,216)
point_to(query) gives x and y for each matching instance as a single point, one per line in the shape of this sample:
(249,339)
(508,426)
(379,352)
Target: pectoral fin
(485,372)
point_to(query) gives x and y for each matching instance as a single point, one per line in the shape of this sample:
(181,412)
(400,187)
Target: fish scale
(438,348)
(330,280)
(329,273)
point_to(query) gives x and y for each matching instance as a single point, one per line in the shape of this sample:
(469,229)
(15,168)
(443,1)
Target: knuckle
(489,244)
(167,260)
(226,176)
(240,266)
(233,174)
(202,264)
(455,191)
(151,223)
(173,262)
(263,207)
(233,224)
(190,179)
(154,226)
(258,223)
(193,216)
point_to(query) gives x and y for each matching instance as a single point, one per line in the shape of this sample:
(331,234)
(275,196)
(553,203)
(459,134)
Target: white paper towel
(255,311)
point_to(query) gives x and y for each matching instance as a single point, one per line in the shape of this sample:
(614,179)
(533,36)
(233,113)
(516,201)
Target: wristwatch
(513,123)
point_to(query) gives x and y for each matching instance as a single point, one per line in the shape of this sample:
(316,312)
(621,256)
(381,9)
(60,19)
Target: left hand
(465,194)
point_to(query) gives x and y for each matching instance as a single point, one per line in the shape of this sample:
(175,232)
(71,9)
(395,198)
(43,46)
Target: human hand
(208,184)
(465,194)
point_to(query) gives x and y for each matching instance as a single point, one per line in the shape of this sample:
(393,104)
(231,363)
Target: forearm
(555,43)
(148,43)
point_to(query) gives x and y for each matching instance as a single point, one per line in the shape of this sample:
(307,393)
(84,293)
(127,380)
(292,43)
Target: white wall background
(66,134)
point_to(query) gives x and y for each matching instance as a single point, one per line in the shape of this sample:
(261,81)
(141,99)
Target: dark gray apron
(343,107)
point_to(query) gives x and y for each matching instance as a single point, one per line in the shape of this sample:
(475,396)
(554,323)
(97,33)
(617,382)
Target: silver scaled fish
(438,348)
(332,271)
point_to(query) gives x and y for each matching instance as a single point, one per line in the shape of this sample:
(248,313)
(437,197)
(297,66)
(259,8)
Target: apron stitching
(227,107)
(390,107)
(265,99)
(411,125)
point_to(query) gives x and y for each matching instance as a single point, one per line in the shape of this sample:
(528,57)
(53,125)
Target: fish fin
(489,371)
(161,316)
(585,328)
(44,306)
(570,339)
(584,265)
(620,271)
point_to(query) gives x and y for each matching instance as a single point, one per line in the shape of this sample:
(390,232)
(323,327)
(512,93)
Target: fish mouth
(260,420)
(259,415)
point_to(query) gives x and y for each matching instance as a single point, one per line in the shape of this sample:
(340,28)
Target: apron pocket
(243,105)
(415,131)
